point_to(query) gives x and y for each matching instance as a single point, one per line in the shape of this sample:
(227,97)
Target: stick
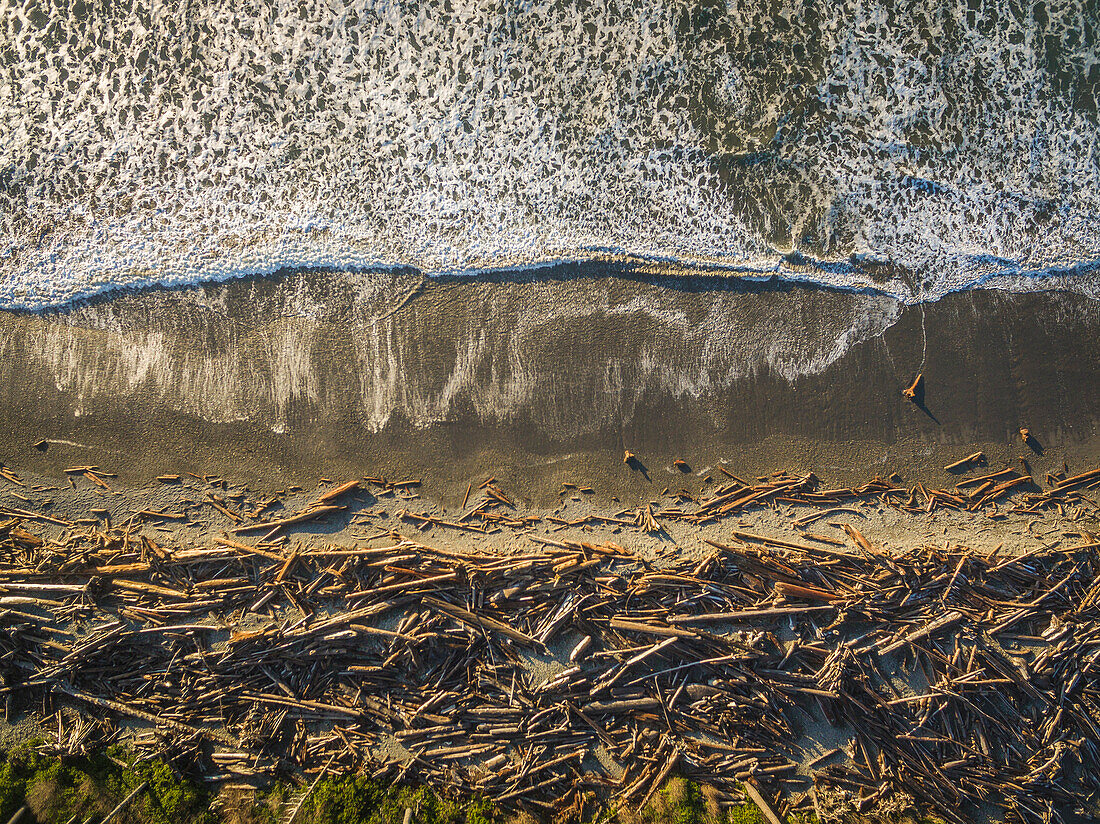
(479,621)
(753,792)
(293,519)
(763,539)
(312,787)
(940,623)
(805,593)
(34,516)
(651,629)
(976,457)
(661,776)
(745,615)
(335,493)
(124,802)
(263,553)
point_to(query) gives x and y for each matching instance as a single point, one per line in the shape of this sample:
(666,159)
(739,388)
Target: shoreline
(543,381)
(868,275)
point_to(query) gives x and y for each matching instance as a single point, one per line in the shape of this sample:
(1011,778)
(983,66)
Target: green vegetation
(55,790)
(685,802)
(76,789)
(358,800)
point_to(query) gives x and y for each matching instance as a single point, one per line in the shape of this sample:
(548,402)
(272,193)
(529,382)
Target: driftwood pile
(983,493)
(994,494)
(568,671)
(490,509)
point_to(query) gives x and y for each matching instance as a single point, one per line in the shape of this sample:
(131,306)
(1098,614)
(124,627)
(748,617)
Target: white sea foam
(572,357)
(152,143)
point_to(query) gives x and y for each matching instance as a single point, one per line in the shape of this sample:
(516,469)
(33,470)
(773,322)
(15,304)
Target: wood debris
(973,459)
(960,679)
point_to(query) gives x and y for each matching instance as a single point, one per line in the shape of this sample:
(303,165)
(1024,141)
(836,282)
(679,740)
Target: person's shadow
(638,466)
(1033,443)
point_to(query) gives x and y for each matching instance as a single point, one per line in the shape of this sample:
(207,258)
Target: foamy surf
(904,151)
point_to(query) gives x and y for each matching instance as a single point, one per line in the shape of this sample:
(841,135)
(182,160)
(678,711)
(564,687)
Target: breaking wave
(907,148)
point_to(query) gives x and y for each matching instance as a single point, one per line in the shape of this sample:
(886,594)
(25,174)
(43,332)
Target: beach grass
(87,788)
(56,790)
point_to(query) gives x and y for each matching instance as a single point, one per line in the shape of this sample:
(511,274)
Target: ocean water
(908,149)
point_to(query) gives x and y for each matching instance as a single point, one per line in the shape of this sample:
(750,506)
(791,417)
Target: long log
(301,517)
(627,705)
(650,629)
(482,621)
(122,804)
(745,615)
(124,709)
(943,622)
(753,792)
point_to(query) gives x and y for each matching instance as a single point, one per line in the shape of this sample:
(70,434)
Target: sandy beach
(397,591)
(619,412)
(543,379)
(238,459)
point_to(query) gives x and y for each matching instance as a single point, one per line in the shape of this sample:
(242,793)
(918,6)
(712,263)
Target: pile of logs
(982,493)
(568,671)
(994,494)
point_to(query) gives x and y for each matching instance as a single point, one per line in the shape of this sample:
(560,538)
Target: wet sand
(542,377)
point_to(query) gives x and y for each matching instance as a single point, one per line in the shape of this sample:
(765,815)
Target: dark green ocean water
(912,147)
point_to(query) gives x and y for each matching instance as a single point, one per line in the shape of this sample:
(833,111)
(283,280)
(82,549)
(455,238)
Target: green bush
(56,790)
(358,800)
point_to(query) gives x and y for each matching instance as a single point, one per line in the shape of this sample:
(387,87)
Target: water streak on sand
(573,355)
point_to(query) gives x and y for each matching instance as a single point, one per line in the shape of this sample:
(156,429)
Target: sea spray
(908,148)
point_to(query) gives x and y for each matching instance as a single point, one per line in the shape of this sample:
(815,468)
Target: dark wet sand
(540,379)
